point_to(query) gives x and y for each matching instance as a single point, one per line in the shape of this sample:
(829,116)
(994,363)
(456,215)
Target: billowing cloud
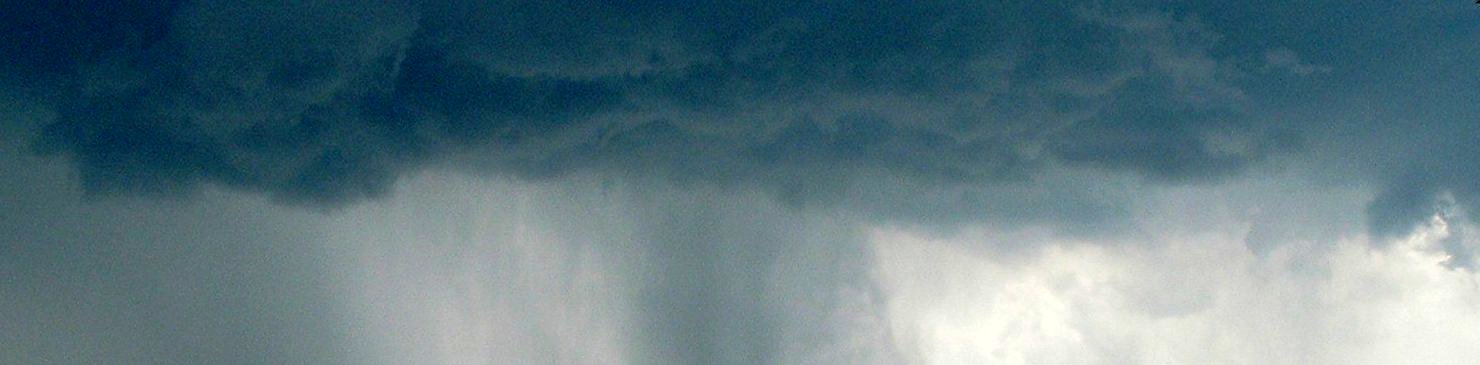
(329,103)
(1204,301)
(737,182)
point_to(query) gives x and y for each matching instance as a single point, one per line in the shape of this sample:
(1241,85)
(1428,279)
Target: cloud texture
(581,181)
(323,102)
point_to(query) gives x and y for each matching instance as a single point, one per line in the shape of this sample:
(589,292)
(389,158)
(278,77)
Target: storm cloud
(583,181)
(328,103)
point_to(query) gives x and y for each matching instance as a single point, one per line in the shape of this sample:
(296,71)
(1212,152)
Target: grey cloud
(1286,60)
(742,122)
(1412,200)
(596,271)
(735,282)
(1413,138)
(146,281)
(315,105)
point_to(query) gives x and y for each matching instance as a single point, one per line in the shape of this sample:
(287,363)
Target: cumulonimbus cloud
(328,103)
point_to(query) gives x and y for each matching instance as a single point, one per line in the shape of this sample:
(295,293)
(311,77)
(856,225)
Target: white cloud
(1202,299)
(459,271)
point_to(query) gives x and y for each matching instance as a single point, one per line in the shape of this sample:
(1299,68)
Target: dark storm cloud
(1405,118)
(1383,92)
(1411,200)
(329,102)
(930,111)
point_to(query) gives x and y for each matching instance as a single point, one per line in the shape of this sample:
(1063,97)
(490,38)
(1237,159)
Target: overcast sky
(739,182)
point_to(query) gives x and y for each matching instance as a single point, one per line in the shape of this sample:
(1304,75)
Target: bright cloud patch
(1201,300)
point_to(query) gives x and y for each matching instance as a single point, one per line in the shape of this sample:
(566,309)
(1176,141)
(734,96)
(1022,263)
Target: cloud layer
(329,103)
(424,181)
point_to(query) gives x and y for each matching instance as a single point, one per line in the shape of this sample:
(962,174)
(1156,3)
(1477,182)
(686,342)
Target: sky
(739,182)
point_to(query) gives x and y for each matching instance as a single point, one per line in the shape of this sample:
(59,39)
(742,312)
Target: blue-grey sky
(410,181)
